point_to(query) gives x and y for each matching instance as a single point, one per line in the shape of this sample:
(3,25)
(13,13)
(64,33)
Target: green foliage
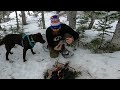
(114,15)
(3,14)
(15,29)
(82,21)
(95,44)
(97,14)
(98,45)
(81,29)
(103,25)
(107,47)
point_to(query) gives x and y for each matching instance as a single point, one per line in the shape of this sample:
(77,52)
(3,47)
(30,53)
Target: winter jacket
(54,39)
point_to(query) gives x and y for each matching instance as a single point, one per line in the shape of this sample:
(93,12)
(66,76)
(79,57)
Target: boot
(66,53)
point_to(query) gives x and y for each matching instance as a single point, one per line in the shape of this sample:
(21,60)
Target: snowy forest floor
(92,66)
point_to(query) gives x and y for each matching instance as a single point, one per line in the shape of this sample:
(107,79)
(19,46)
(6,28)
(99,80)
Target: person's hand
(58,47)
(69,40)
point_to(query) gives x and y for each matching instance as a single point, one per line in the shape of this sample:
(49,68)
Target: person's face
(56,29)
(55,21)
(69,40)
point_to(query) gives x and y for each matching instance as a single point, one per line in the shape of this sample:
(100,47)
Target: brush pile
(61,71)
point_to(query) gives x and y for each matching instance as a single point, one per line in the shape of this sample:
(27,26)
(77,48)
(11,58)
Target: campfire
(61,71)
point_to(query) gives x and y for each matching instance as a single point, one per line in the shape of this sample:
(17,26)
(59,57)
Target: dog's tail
(1,42)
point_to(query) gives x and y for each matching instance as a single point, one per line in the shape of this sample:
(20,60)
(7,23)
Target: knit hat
(55,22)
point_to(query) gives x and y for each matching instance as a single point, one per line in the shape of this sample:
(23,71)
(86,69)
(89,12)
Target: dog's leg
(32,51)
(8,49)
(24,54)
(11,52)
(7,53)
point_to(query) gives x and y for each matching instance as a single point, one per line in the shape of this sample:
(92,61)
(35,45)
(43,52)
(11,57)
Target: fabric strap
(30,43)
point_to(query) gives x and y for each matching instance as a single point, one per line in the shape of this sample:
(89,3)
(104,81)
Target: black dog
(27,41)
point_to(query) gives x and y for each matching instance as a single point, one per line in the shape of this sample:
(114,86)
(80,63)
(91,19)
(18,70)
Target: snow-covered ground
(92,66)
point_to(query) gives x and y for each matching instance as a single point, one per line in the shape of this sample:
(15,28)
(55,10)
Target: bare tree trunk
(116,37)
(0,27)
(3,15)
(43,19)
(8,13)
(61,13)
(91,23)
(57,12)
(17,20)
(92,20)
(0,20)
(0,16)
(35,13)
(68,15)
(72,18)
(92,15)
(23,18)
(29,13)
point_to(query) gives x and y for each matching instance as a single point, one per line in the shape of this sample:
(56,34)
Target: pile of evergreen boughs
(61,71)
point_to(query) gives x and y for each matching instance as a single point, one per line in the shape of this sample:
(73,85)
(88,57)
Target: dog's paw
(7,59)
(11,61)
(33,53)
(24,60)
(11,52)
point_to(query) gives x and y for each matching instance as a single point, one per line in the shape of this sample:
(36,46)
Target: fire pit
(61,71)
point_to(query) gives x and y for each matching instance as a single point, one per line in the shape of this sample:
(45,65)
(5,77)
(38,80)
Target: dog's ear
(38,33)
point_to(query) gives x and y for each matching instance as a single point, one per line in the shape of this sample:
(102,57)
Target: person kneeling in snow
(57,35)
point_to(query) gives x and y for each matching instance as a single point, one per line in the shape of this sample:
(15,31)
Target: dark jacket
(54,39)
